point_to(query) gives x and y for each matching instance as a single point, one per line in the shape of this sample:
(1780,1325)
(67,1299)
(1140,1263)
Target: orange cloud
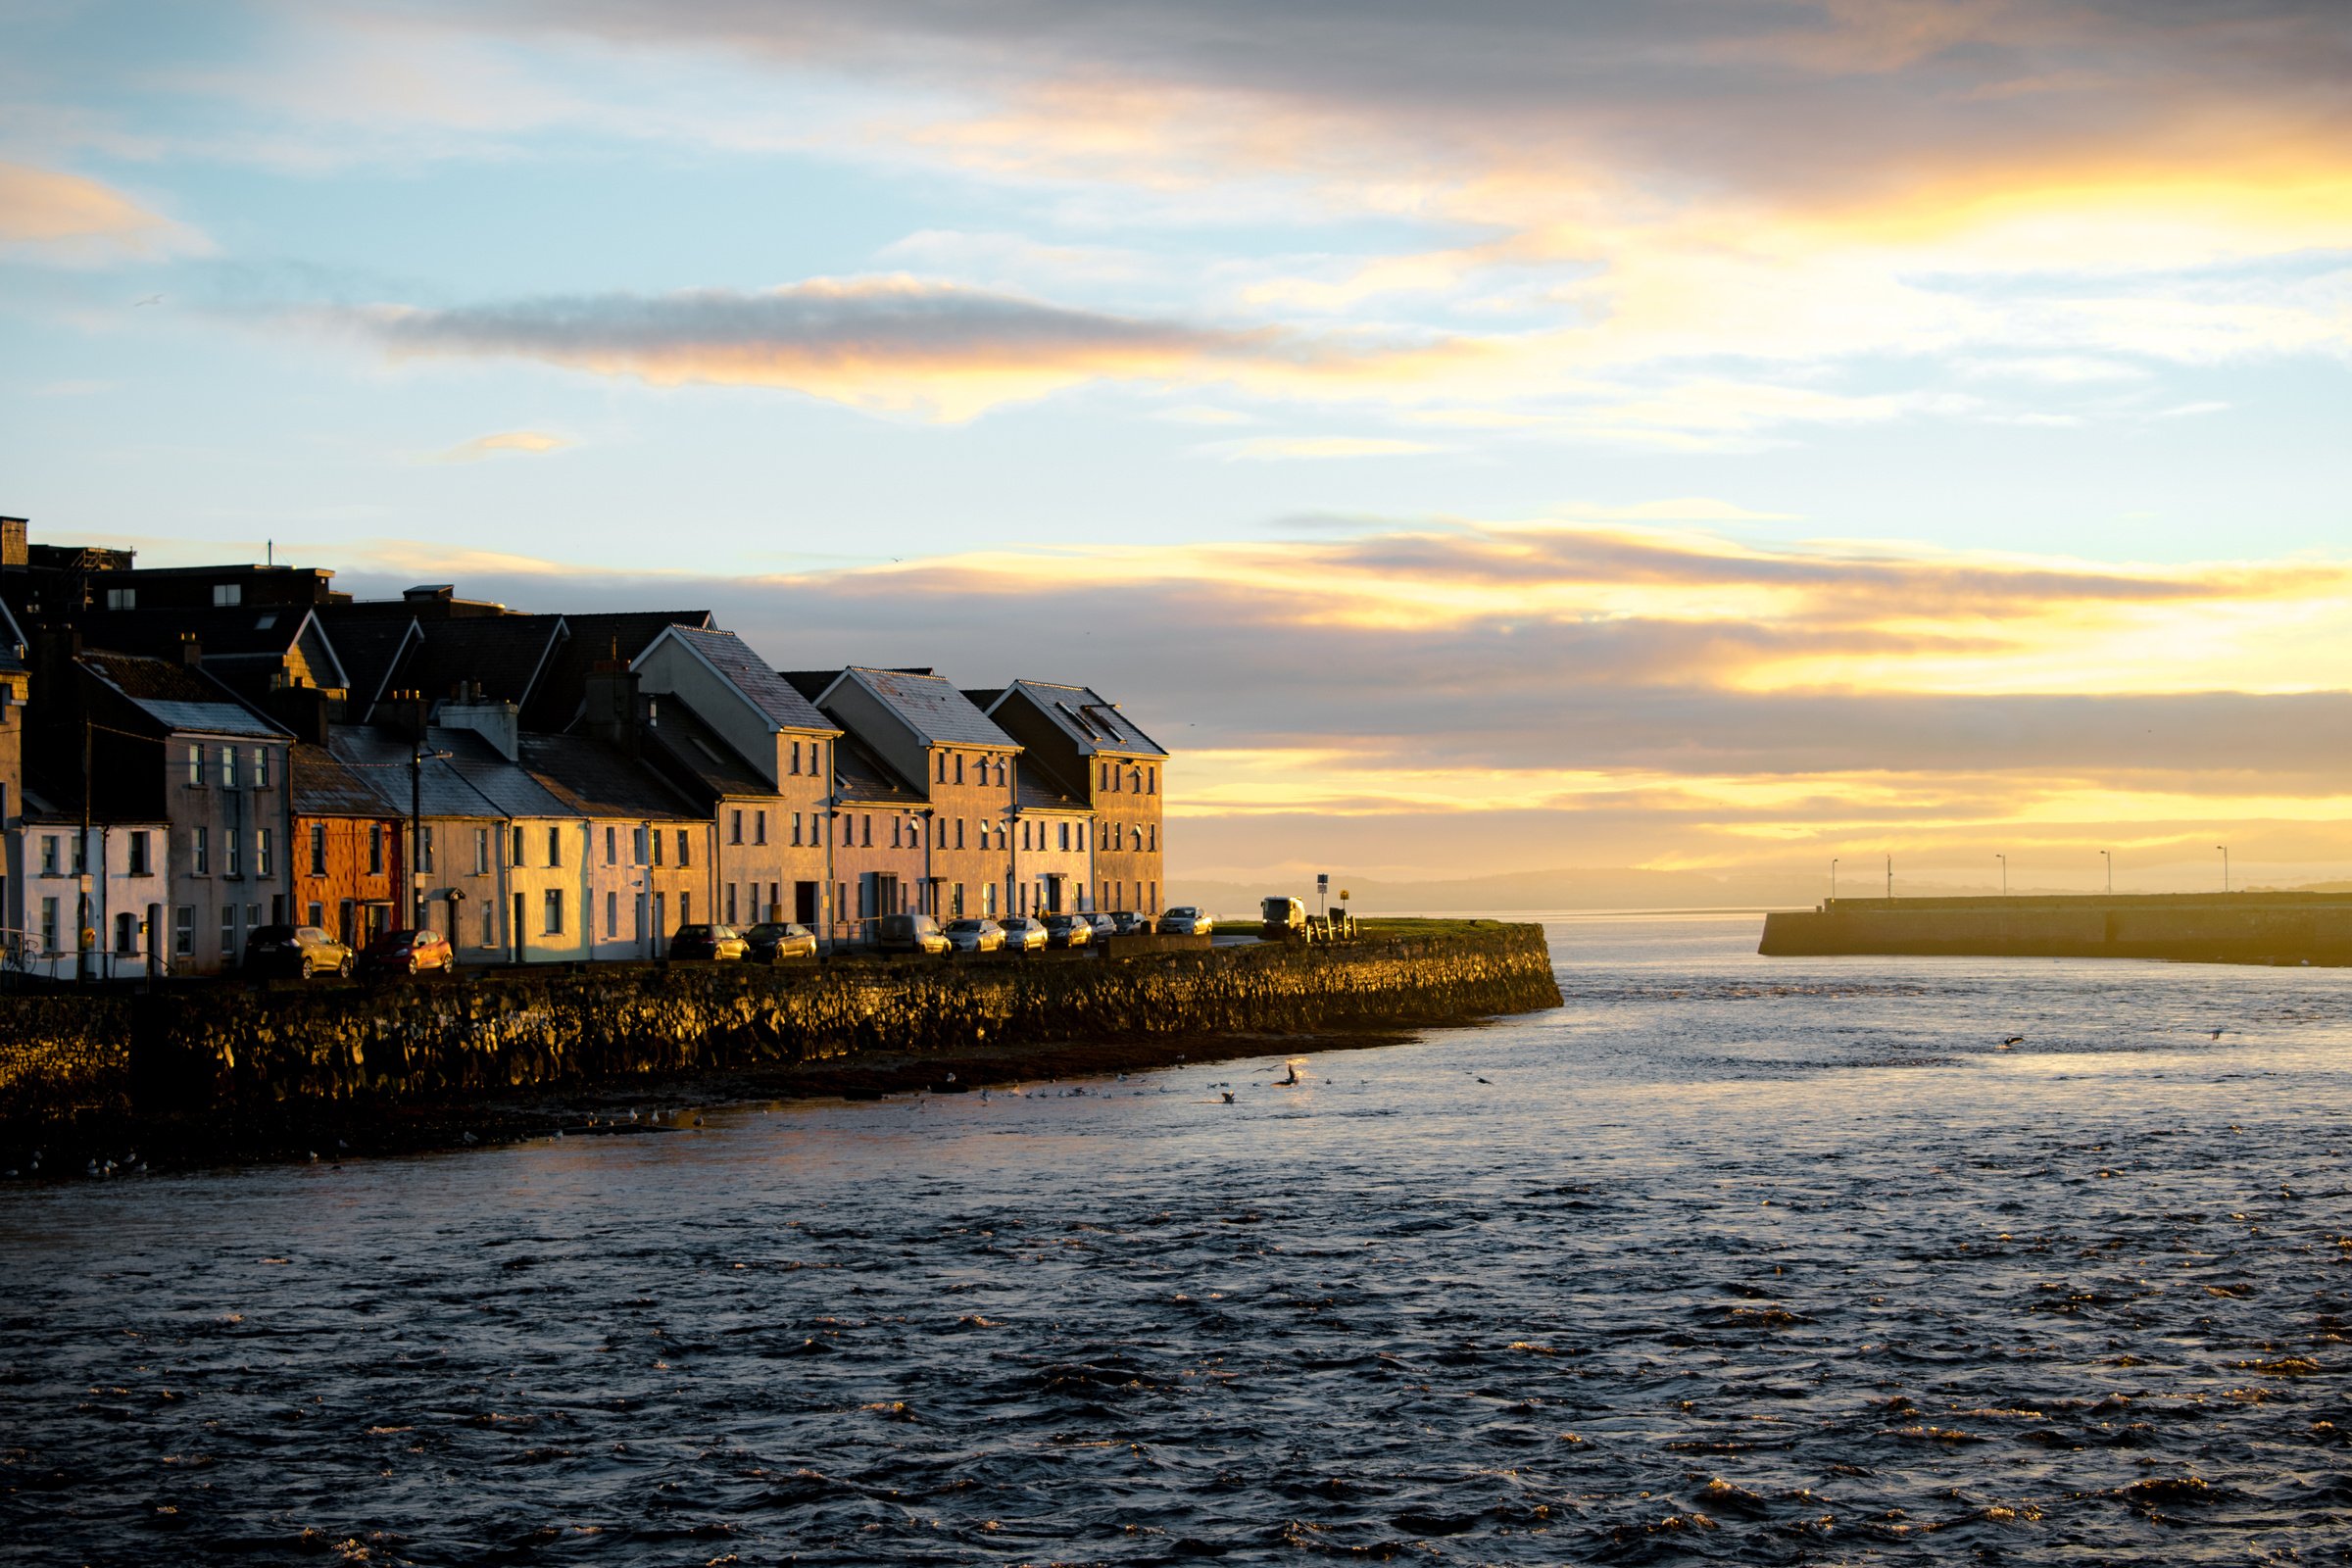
(66,217)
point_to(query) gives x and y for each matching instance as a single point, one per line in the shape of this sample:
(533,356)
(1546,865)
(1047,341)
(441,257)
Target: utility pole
(2109,856)
(1891,879)
(82,870)
(1833,879)
(2004,859)
(2225,849)
(418,757)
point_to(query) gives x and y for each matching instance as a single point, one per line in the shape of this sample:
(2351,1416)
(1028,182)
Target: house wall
(341,884)
(116,889)
(794,852)
(1129,847)
(238,878)
(880,854)
(454,871)
(14,687)
(971,828)
(1046,857)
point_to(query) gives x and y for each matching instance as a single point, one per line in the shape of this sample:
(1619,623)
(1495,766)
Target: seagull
(2014,1040)
(1229,1097)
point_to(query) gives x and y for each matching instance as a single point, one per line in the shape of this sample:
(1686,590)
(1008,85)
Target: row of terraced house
(188,753)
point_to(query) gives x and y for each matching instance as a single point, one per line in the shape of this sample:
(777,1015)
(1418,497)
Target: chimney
(612,714)
(15,549)
(191,652)
(403,712)
(303,710)
(498,722)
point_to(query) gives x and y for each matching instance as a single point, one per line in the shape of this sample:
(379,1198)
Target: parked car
(1187,920)
(909,933)
(1023,934)
(1128,923)
(1283,921)
(301,951)
(714,944)
(774,940)
(1103,924)
(407,953)
(975,936)
(1069,931)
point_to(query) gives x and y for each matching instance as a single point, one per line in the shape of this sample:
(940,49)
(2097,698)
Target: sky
(1695,436)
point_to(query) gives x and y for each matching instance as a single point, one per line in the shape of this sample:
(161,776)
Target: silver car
(1023,934)
(1187,920)
(970,935)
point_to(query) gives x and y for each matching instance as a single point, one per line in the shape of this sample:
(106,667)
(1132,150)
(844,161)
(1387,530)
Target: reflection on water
(1731,1260)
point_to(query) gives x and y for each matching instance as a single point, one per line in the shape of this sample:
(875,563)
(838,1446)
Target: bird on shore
(1229,1097)
(2014,1040)
(1293,1074)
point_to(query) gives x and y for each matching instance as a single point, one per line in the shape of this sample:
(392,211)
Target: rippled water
(1759,1262)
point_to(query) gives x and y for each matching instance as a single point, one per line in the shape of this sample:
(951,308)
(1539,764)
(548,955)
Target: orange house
(346,869)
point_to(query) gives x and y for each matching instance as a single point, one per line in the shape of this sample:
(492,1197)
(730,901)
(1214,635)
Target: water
(1728,1259)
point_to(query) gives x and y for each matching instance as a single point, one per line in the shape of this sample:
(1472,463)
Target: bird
(1489,1083)
(2217,1034)
(2014,1040)
(1229,1097)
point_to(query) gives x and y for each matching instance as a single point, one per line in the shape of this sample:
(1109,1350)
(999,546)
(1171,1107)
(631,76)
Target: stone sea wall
(62,1053)
(523,1028)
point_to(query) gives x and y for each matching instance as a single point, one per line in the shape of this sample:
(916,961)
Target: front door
(804,903)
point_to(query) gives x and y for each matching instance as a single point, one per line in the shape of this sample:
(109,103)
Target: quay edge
(2259,928)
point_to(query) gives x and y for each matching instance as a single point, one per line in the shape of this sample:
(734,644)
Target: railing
(22,954)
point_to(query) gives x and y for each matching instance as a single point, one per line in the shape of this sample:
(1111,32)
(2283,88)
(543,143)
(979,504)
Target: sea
(1728,1259)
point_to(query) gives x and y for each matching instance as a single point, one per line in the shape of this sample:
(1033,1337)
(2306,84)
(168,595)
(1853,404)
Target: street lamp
(2225,849)
(2004,859)
(1833,879)
(1891,879)
(2109,856)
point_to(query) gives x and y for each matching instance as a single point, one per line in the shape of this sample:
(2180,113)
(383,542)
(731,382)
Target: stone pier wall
(2207,928)
(525,1028)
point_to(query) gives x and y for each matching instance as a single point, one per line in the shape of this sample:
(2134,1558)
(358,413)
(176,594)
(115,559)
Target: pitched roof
(369,649)
(931,706)
(1092,722)
(772,696)
(704,754)
(594,779)
(562,693)
(472,780)
(861,778)
(175,698)
(11,639)
(1036,791)
(323,785)
(502,654)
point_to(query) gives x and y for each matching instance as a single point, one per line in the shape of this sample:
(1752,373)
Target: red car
(407,953)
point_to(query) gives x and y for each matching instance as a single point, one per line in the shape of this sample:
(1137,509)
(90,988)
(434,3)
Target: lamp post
(2004,859)
(1833,879)
(2225,849)
(1891,879)
(2109,856)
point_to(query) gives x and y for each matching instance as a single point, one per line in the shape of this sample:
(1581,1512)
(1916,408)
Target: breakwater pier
(2274,928)
(279,1059)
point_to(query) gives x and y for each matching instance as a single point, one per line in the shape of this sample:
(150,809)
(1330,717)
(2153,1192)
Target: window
(685,857)
(776,909)
(49,925)
(637,846)
(730,904)
(611,916)
(489,922)
(138,854)
(848,829)
(795,828)
(942,767)
(228,768)
(195,765)
(376,849)
(611,845)
(200,853)
(481,854)
(228,932)
(657,837)
(685,909)
(959,767)
(424,849)
(760,827)
(260,854)
(555,851)
(796,757)
(1081,838)
(1151,838)
(554,911)
(1103,769)
(183,931)
(1152,787)
(234,842)
(81,853)
(517,860)
(260,767)
(735,826)
(121,598)
(228,595)
(895,824)
(960,832)
(865,829)
(318,851)
(49,861)
(316,914)
(957,907)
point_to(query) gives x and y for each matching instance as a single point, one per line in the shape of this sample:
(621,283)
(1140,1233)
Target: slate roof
(1092,722)
(778,700)
(473,780)
(594,779)
(562,693)
(1033,791)
(503,655)
(861,778)
(176,698)
(369,649)
(704,755)
(323,785)
(932,706)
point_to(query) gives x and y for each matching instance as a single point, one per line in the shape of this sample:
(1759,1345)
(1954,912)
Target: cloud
(487,445)
(892,344)
(64,217)
(1279,449)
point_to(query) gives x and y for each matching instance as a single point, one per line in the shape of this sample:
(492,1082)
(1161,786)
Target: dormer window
(228,595)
